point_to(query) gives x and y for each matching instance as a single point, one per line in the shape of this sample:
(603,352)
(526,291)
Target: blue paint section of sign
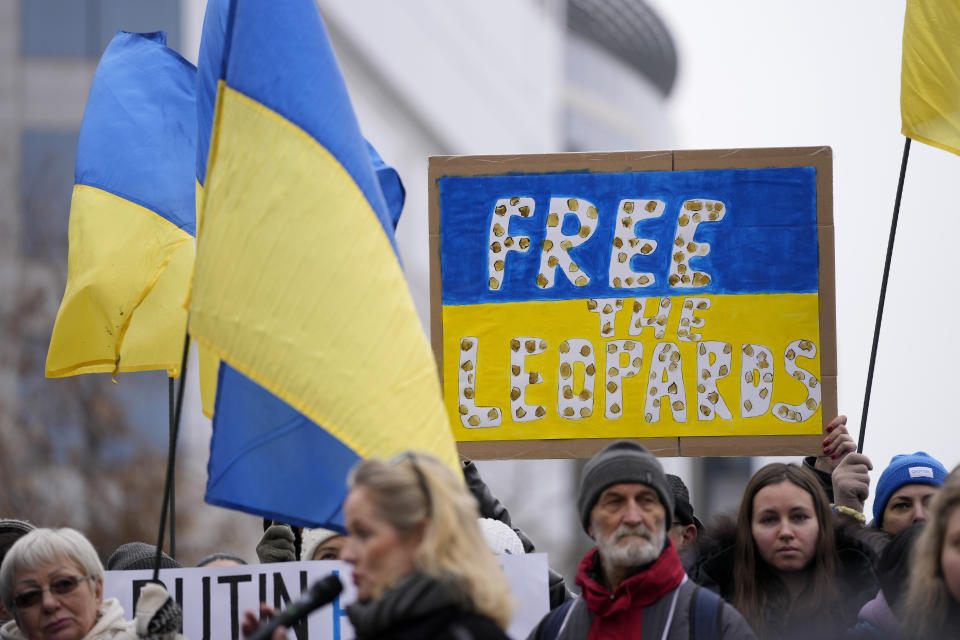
(766,241)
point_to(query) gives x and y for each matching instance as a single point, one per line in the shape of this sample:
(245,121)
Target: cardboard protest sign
(682,298)
(213,599)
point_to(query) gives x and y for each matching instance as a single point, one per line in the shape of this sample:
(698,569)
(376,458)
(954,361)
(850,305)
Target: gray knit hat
(21,527)
(10,532)
(682,507)
(138,555)
(622,461)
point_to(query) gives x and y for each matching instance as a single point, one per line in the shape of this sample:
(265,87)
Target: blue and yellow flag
(930,78)
(209,61)
(209,67)
(390,184)
(132,215)
(297,286)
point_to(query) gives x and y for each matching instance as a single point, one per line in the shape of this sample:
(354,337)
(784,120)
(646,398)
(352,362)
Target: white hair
(47,546)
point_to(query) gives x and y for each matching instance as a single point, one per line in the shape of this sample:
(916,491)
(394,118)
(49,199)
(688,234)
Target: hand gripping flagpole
(883,295)
(175,412)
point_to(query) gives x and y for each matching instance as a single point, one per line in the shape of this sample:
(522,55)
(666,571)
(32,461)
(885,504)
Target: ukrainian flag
(297,286)
(390,184)
(210,62)
(132,215)
(930,77)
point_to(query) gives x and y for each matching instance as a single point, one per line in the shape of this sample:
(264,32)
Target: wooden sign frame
(820,158)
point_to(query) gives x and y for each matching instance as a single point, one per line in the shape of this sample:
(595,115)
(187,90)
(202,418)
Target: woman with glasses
(420,562)
(51,581)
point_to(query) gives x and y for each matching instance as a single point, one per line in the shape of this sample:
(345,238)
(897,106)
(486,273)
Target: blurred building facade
(50,52)
(75,451)
(426,78)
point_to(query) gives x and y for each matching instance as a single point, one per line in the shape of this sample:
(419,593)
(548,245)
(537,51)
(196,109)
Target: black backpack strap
(549,627)
(705,615)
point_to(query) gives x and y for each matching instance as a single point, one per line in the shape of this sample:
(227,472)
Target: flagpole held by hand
(883,295)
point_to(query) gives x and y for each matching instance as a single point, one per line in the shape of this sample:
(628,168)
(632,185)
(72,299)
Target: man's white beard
(643,546)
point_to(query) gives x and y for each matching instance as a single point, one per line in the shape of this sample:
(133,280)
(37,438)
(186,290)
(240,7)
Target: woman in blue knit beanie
(904,491)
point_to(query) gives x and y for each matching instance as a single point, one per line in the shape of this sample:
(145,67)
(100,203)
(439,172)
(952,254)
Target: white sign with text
(213,599)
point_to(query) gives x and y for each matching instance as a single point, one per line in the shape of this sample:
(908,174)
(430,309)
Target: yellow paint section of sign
(693,365)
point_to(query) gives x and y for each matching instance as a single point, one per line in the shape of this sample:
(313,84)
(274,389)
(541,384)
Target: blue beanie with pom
(916,468)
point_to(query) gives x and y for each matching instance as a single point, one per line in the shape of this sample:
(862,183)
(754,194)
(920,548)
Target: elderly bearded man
(632,582)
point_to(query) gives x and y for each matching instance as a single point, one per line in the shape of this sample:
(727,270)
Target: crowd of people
(799,559)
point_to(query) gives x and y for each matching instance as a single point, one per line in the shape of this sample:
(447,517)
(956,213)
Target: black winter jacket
(420,608)
(856,583)
(491,507)
(824,478)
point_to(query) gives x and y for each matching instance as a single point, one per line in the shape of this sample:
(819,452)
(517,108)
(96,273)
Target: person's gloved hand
(851,481)
(276,545)
(158,616)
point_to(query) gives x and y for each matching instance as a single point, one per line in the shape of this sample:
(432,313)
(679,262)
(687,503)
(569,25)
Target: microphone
(322,592)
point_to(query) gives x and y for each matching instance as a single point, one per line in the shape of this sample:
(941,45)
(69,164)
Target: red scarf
(619,614)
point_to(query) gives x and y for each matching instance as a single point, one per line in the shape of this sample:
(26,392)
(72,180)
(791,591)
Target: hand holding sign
(836,445)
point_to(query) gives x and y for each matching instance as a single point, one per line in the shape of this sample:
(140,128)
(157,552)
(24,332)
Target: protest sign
(682,298)
(213,599)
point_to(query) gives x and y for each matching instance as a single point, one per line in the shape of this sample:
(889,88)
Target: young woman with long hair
(789,569)
(933,601)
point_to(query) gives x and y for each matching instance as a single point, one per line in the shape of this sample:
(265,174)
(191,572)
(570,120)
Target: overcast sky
(757,73)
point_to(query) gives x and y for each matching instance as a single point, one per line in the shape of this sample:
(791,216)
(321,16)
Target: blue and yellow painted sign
(630,304)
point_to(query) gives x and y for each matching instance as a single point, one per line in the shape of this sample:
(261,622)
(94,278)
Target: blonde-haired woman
(932,608)
(420,562)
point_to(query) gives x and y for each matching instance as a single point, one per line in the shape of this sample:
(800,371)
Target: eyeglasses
(421,479)
(58,587)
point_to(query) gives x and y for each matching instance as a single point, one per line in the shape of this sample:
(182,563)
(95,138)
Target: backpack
(549,627)
(705,617)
